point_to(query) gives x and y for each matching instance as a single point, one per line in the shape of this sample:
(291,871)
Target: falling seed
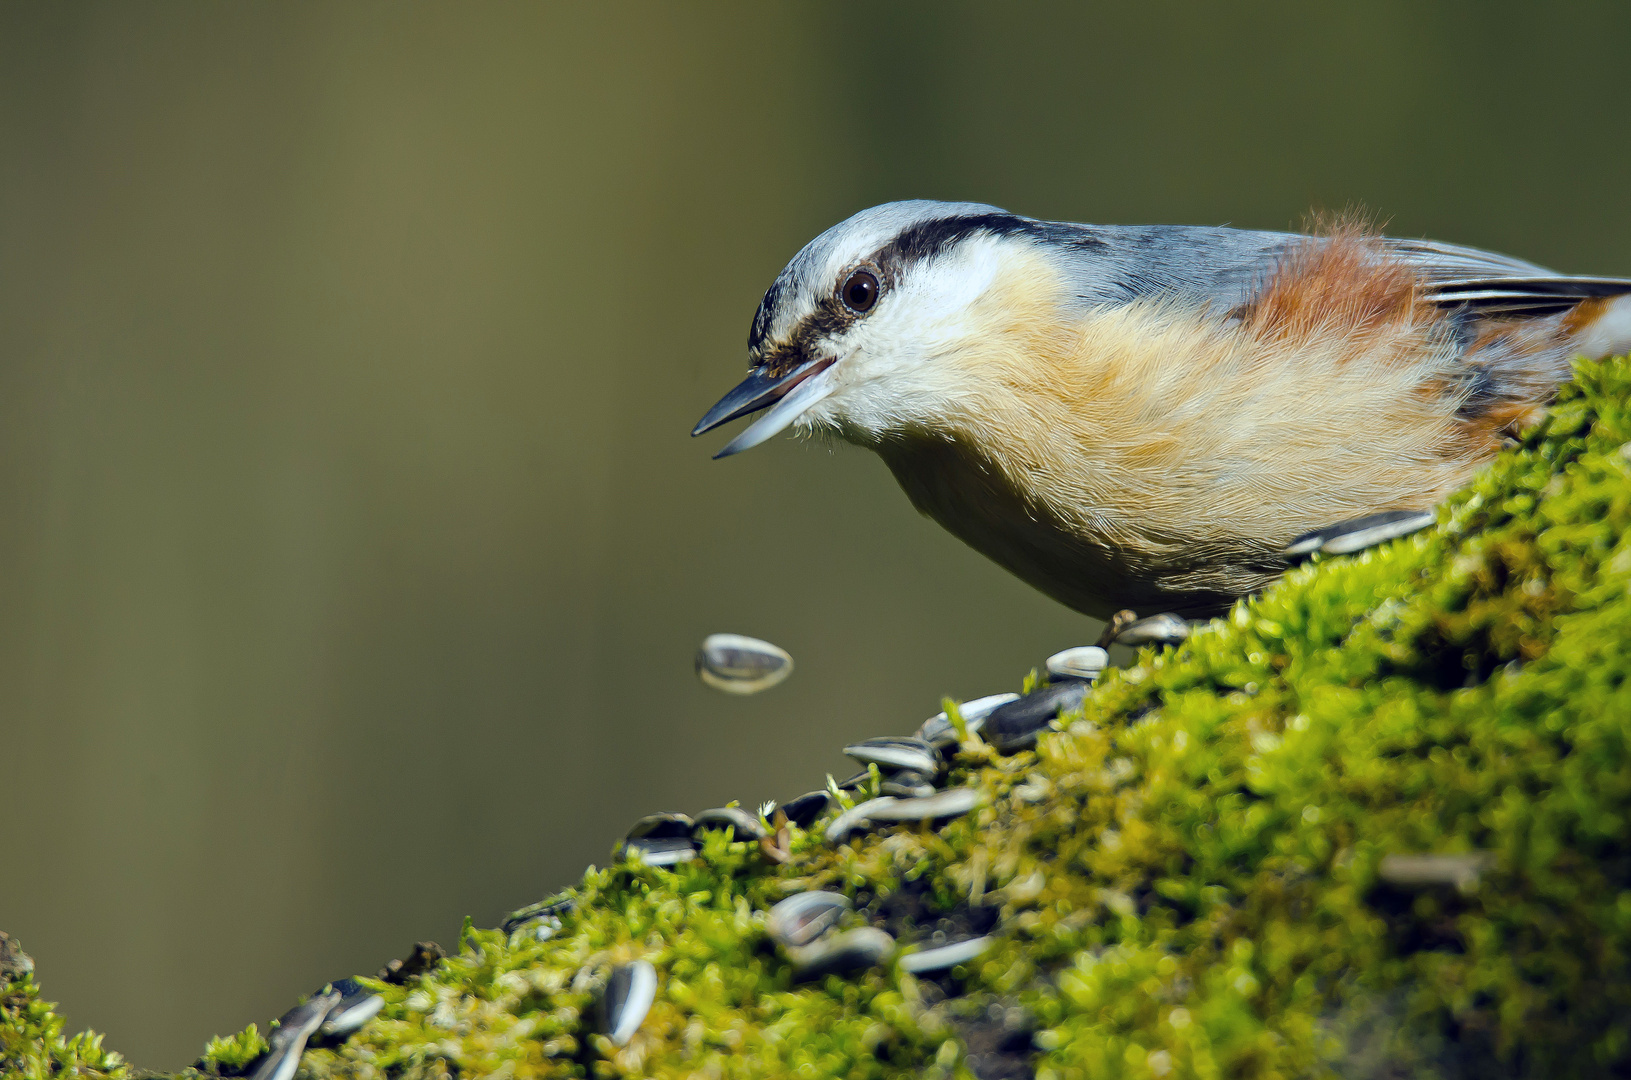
(1015,726)
(741,665)
(627,999)
(896,753)
(1164,629)
(805,916)
(747,826)
(1083,662)
(865,946)
(946,956)
(938,732)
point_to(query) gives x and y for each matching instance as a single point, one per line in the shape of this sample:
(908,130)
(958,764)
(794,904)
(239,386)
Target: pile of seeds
(819,932)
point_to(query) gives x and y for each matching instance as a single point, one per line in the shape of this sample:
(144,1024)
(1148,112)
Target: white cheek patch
(888,369)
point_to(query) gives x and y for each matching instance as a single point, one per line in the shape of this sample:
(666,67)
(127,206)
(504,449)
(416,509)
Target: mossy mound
(1186,880)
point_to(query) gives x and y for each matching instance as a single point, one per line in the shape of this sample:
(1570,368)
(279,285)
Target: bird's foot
(1356,534)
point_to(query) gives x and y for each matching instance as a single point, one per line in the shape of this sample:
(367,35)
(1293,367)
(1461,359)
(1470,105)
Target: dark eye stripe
(922,241)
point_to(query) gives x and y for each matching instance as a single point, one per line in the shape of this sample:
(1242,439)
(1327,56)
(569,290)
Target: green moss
(231,1055)
(32,1046)
(1185,881)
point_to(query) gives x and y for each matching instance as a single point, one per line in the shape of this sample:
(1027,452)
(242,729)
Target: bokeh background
(352,548)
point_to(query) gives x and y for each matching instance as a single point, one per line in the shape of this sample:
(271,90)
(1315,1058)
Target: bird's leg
(1359,533)
(1120,621)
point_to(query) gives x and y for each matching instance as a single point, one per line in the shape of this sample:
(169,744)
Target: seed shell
(804,917)
(1015,726)
(865,946)
(946,956)
(938,732)
(804,810)
(738,664)
(896,753)
(747,826)
(1166,629)
(1083,662)
(627,999)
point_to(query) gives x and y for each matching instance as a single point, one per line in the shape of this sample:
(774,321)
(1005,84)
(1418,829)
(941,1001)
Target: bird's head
(852,334)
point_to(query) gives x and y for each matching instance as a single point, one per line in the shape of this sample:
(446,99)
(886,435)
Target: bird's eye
(859,291)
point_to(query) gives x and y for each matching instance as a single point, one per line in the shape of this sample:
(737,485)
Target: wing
(1225,267)
(1485,283)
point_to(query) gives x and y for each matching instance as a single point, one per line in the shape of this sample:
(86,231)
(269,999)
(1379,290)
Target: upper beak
(759,391)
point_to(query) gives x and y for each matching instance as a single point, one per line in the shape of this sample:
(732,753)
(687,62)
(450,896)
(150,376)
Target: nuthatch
(1145,416)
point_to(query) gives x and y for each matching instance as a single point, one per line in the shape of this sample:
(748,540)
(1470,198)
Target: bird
(1148,417)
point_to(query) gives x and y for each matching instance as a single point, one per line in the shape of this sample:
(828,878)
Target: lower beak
(789,397)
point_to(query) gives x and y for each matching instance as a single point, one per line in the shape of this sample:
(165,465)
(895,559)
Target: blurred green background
(352,547)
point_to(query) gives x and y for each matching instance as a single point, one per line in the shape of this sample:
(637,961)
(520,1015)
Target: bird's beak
(791,394)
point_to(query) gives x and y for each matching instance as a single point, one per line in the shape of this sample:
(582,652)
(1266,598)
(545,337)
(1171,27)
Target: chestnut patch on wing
(1584,314)
(1341,283)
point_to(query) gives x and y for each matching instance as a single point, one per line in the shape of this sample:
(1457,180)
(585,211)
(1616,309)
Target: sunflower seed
(746,826)
(1164,629)
(862,947)
(662,839)
(357,1006)
(907,784)
(946,956)
(804,810)
(286,1042)
(1014,726)
(943,804)
(660,826)
(552,908)
(888,809)
(1462,870)
(938,732)
(896,753)
(855,817)
(856,782)
(1083,662)
(627,999)
(803,917)
(658,850)
(741,665)
(1361,532)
